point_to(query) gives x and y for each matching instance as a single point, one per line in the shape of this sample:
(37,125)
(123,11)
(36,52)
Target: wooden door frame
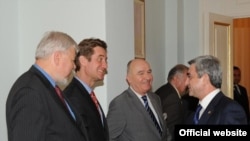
(227,22)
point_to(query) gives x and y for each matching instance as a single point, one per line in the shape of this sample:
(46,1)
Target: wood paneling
(139,31)
(241,49)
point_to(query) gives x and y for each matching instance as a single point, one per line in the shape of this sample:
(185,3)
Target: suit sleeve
(234,114)
(26,117)
(116,120)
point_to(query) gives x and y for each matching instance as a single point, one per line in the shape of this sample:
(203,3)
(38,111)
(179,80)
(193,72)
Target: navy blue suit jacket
(221,111)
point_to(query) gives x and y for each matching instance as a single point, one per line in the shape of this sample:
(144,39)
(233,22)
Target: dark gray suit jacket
(172,105)
(128,119)
(242,99)
(34,112)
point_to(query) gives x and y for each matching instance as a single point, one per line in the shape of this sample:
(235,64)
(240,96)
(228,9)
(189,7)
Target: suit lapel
(86,96)
(210,109)
(140,107)
(136,102)
(156,107)
(52,90)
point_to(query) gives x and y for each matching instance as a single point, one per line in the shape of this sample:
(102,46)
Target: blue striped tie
(151,114)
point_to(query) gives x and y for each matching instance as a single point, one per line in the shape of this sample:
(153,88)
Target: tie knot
(144,98)
(60,95)
(199,107)
(58,91)
(57,88)
(92,93)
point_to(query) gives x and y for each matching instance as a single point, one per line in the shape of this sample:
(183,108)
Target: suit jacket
(242,99)
(189,103)
(128,119)
(34,112)
(172,105)
(83,105)
(222,111)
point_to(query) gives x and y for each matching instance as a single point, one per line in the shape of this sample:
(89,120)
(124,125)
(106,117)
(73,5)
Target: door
(220,45)
(241,50)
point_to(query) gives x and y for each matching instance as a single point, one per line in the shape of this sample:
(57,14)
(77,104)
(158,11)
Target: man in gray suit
(128,119)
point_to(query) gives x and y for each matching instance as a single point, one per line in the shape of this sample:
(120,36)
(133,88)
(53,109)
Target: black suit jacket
(83,105)
(221,111)
(172,105)
(34,112)
(242,99)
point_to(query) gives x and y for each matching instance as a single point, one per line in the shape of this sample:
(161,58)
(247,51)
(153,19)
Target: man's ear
(206,77)
(83,60)
(56,57)
(128,79)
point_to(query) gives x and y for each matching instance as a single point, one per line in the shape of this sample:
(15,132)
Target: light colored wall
(9,55)
(120,38)
(173,35)
(176,31)
(156,40)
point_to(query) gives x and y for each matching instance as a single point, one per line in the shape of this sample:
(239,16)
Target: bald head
(139,75)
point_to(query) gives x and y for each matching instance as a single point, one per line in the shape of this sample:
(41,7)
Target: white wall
(120,38)
(156,40)
(9,55)
(172,35)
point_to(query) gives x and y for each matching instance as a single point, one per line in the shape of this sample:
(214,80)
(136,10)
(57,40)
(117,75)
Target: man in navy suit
(91,67)
(240,92)
(205,79)
(34,110)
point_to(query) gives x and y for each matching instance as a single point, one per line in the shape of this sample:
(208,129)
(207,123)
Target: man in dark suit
(127,117)
(205,79)
(34,110)
(91,67)
(240,92)
(189,103)
(171,96)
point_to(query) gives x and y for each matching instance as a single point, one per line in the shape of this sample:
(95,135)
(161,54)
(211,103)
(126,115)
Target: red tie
(59,93)
(92,95)
(94,99)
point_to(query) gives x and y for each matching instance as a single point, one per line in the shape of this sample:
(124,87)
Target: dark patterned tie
(197,113)
(151,114)
(59,93)
(94,99)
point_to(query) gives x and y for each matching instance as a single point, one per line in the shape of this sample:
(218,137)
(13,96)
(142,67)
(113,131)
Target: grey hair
(210,65)
(54,41)
(177,69)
